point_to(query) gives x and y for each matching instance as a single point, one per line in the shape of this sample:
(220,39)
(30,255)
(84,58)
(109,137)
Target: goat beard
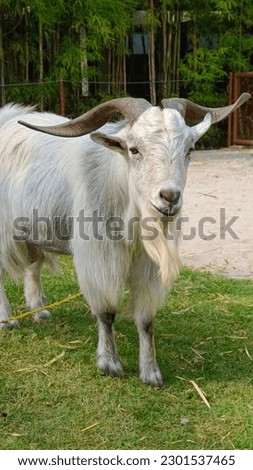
(160,240)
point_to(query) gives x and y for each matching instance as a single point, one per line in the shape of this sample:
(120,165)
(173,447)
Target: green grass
(204,333)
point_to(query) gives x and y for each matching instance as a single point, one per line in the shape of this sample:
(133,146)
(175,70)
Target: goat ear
(110,141)
(201,128)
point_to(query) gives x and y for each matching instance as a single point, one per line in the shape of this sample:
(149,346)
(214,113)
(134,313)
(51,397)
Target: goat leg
(5,309)
(149,369)
(107,358)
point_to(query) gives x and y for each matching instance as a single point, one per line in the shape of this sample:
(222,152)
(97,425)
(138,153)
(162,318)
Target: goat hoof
(110,366)
(10,324)
(42,316)
(152,376)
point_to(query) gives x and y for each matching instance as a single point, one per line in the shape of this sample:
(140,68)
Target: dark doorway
(137,72)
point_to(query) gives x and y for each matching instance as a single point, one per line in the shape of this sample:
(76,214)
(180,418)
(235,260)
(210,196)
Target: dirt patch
(218,205)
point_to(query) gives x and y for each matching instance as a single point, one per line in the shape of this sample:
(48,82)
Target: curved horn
(195,113)
(131,108)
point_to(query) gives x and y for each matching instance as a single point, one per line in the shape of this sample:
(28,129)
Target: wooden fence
(240,124)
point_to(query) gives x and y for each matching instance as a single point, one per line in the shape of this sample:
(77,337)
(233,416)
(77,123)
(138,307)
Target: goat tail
(160,244)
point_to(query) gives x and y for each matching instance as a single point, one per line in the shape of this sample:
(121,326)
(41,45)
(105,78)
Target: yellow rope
(45,307)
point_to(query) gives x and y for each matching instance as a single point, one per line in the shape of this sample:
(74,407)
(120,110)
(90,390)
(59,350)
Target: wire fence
(71,96)
(91,82)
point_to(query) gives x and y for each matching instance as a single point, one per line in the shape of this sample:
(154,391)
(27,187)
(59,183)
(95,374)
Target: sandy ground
(218,202)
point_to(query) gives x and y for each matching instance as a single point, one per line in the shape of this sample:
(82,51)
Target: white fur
(61,177)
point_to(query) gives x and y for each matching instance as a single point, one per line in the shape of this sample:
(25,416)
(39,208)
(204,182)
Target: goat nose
(170,196)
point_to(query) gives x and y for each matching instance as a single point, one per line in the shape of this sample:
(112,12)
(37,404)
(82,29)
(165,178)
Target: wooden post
(62,101)
(230,101)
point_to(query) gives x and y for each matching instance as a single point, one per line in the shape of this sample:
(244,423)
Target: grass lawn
(203,334)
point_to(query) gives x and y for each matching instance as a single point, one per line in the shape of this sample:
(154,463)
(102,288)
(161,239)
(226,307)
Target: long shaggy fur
(46,179)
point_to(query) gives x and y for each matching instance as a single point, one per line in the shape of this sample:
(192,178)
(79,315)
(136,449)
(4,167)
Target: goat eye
(134,150)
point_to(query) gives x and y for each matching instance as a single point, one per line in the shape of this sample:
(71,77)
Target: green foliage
(46,11)
(21,93)
(237,59)
(107,23)
(201,72)
(69,60)
(86,39)
(220,42)
(74,33)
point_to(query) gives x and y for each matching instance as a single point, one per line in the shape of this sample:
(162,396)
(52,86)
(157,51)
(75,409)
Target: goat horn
(195,113)
(88,122)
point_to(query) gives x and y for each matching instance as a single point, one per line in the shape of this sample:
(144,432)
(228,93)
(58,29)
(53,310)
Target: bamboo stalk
(2,77)
(165,54)
(152,58)
(41,62)
(26,48)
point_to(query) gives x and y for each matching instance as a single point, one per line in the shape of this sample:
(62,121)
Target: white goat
(96,195)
